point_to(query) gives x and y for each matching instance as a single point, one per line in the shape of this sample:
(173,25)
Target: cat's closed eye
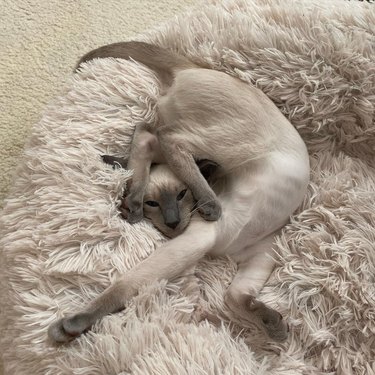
(152,203)
(181,194)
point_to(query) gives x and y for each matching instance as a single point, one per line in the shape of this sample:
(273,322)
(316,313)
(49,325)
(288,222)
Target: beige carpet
(62,241)
(40,41)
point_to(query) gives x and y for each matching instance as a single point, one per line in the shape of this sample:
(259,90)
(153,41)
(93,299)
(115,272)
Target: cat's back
(212,90)
(211,95)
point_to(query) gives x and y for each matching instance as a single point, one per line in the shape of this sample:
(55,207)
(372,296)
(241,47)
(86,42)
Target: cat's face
(168,203)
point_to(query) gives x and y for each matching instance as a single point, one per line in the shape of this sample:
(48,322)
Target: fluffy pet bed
(63,241)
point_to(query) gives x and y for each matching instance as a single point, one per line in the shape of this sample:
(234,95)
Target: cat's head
(168,202)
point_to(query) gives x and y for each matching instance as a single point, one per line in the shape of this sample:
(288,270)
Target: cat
(261,179)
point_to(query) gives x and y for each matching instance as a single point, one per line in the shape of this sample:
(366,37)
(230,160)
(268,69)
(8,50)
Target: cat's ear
(207,167)
(116,162)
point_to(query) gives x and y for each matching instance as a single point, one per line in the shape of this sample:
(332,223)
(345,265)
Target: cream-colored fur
(264,172)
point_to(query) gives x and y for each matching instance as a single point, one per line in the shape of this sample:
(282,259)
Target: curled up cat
(260,178)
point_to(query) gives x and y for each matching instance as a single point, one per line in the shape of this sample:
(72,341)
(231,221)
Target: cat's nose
(171,217)
(172,224)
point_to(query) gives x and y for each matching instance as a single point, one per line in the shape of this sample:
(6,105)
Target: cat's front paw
(209,209)
(133,209)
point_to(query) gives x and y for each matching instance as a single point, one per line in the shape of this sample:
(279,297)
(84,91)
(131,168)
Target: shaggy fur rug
(63,241)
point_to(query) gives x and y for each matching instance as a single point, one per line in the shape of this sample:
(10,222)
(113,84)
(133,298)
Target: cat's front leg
(168,261)
(182,163)
(131,207)
(144,151)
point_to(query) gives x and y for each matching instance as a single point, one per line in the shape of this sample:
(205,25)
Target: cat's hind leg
(255,265)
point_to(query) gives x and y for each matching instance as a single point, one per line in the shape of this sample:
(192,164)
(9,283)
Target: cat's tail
(164,62)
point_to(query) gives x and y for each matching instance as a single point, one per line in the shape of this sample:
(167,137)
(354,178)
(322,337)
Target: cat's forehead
(163,190)
(162,181)
(167,196)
